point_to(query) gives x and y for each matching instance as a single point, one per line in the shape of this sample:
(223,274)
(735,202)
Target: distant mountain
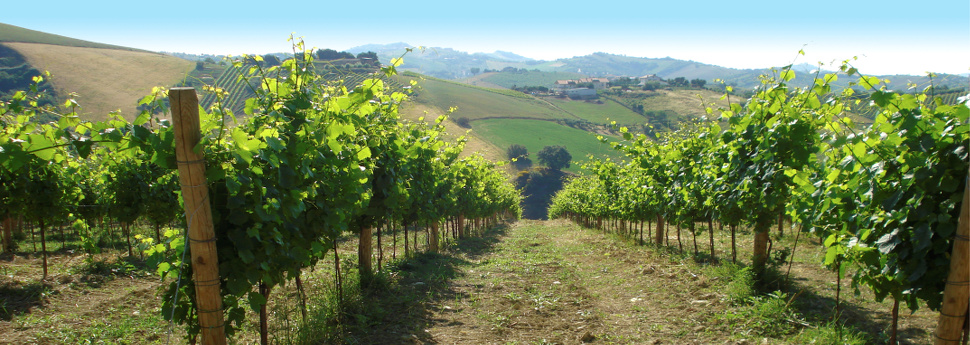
(804,67)
(445,63)
(505,56)
(379,48)
(453,64)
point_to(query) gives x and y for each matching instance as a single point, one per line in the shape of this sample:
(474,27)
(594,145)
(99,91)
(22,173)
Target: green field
(535,134)
(476,103)
(530,78)
(599,113)
(10,33)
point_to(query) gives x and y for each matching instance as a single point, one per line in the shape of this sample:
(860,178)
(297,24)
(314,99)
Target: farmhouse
(597,83)
(649,78)
(580,93)
(562,85)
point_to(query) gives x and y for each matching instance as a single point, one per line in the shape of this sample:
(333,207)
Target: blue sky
(888,37)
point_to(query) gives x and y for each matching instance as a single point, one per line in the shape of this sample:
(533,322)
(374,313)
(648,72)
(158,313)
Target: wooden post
(8,235)
(461,225)
(956,295)
(710,230)
(195,193)
(434,236)
(365,251)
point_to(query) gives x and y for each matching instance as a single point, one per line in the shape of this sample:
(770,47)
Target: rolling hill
(12,33)
(501,117)
(452,64)
(104,77)
(104,80)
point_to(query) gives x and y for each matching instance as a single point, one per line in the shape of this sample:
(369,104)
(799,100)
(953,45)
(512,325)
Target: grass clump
(773,314)
(740,286)
(831,334)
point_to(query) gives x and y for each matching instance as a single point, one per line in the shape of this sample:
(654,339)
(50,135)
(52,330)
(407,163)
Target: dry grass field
(104,80)
(414,110)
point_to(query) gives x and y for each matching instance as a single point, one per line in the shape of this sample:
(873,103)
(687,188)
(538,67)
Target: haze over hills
(453,64)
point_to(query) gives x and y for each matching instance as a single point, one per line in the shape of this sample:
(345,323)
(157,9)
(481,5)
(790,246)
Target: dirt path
(531,282)
(551,283)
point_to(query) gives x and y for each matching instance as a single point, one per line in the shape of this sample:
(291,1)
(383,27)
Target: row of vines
(307,163)
(886,198)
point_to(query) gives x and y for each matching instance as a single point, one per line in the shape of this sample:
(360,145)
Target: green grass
(535,134)
(10,33)
(530,78)
(599,113)
(476,102)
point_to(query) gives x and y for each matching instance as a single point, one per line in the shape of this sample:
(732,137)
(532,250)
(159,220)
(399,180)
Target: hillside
(520,78)
(445,63)
(453,64)
(104,80)
(11,33)
(501,117)
(103,77)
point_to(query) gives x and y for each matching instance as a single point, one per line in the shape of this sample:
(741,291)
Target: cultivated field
(105,80)
(535,134)
(599,113)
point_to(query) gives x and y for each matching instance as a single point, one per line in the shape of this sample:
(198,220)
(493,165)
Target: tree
(622,81)
(475,70)
(679,81)
(270,60)
(330,54)
(650,86)
(521,156)
(698,83)
(199,66)
(517,151)
(463,122)
(555,157)
(369,58)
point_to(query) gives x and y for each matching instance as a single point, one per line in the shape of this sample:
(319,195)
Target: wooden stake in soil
(956,295)
(380,247)
(43,245)
(195,193)
(8,235)
(365,250)
(264,315)
(434,236)
(760,250)
(734,243)
(710,231)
